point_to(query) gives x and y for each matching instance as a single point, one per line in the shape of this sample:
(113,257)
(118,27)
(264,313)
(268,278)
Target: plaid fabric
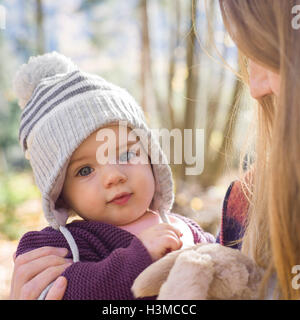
(234,215)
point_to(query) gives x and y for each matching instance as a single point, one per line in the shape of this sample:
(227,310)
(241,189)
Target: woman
(269,223)
(264,33)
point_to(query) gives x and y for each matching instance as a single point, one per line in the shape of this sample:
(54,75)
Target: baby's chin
(146,220)
(136,219)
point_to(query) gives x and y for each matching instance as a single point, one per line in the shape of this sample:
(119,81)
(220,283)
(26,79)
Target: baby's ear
(60,203)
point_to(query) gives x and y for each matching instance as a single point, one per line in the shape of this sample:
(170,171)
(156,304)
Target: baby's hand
(161,239)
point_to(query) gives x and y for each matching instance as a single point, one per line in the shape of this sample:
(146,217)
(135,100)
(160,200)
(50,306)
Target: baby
(122,197)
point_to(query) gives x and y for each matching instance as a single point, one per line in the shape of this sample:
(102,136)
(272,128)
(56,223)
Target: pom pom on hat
(29,75)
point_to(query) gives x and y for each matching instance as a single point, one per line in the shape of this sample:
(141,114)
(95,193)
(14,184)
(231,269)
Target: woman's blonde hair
(263,32)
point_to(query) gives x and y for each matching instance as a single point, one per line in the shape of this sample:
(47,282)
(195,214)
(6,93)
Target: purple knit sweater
(110,258)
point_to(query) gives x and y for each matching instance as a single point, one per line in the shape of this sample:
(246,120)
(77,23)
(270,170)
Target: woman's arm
(34,270)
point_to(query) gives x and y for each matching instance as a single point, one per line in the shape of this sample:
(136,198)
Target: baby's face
(91,185)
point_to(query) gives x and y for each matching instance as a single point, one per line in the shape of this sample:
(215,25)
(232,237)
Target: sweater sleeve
(107,268)
(111,278)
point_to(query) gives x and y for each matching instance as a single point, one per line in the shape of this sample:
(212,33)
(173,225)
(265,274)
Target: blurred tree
(40,34)
(214,103)
(89,4)
(215,165)
(29,42)
(148,97)
(9,111)
(155,107)
(9,114)
(95,27)
(174,44)
(215,156)
(192,86)
(13,45)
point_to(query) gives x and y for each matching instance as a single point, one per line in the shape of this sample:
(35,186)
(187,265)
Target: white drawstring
(75,253)
(72,244)
(74,249)
(163,215)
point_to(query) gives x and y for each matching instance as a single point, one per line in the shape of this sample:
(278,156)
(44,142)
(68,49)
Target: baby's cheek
(90,199)
(143,183)
(145,178)
(95,202)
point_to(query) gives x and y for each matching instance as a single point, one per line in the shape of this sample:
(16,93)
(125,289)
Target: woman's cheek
(274,80)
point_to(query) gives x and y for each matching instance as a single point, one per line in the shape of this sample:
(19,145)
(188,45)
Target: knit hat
(62,106)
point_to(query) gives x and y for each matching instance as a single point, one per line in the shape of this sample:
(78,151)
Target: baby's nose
(113,176)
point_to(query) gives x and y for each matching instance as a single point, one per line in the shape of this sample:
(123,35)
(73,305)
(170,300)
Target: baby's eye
(126,156)
(85,171)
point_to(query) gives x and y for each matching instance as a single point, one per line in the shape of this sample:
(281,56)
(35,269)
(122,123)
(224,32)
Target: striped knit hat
(61,107)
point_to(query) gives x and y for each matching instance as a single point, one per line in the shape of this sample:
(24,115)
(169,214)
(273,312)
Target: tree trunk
(213,106)
(146,74)
(192,62)
(174,42)
(40,34)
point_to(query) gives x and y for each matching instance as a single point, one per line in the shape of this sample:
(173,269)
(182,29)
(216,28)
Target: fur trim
(204,271)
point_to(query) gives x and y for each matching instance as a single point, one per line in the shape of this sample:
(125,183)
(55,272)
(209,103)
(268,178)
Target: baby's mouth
(121,198)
